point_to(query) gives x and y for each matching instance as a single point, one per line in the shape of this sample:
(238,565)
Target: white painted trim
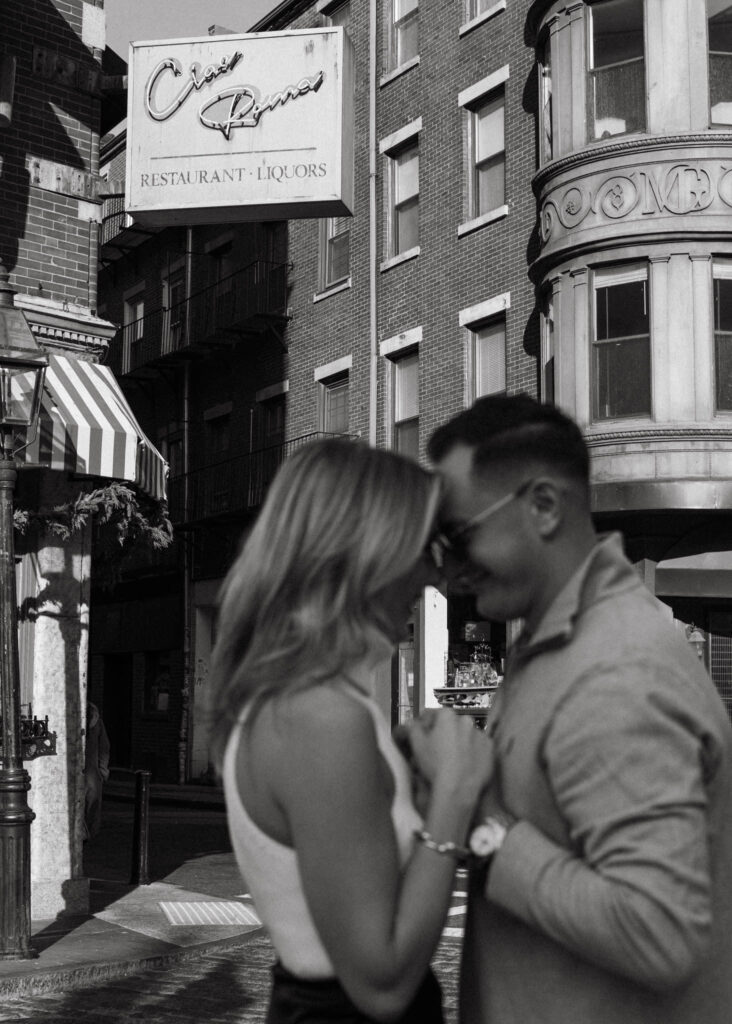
(332,368)
(213,413)
(485,85)
(397,343)
(484,310)
(480,18)
(132,292)
(623,273)
(398,137)
(721,268)
(485,218)
(326,294)
(413,62)
(281,388)
(220,240)
(401,257)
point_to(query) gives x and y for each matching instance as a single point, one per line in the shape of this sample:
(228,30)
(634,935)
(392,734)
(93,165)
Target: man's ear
(546,498)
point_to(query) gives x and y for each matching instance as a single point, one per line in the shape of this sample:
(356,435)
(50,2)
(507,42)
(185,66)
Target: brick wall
(49,153)
(450,273)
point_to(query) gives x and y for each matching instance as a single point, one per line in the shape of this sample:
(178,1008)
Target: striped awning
(87,426)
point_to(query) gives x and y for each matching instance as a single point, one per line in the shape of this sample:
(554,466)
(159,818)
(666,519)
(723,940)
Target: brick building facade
(58,87)
(516,165)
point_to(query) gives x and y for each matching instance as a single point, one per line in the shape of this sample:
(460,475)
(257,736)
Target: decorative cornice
(644,144)
(660,434)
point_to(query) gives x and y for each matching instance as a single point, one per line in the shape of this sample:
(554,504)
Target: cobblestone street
(225,987)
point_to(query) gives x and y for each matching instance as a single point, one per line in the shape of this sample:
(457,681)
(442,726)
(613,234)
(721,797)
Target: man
(608,897)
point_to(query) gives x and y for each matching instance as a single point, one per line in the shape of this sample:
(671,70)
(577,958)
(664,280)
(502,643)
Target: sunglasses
(453,541)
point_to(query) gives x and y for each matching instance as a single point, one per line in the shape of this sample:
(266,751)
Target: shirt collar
(605,571)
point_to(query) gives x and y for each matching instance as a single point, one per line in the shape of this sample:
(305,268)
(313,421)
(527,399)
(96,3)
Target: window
(723,336)
(339,14)
(273,421)
(334,404)
(621,358)
(545,102)
(406,404)
(719,13)
(404,31)
(132,331)
(489,358)
(335,251)
(174,309)
(216,481)
(157,681)
(488,156)
(221,312)
(404,189)
(547,349)
(617,82)
(171,448)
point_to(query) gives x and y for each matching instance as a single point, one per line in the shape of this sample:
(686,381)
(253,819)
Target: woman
(318,797)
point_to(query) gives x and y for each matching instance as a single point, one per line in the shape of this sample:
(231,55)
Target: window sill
(327,292)
(480,222)
(485,16)
(398,72)
(402,257)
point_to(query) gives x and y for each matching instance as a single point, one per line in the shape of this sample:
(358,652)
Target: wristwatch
(487,838)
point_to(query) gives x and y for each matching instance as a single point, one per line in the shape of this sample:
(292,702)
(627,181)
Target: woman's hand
(446,749)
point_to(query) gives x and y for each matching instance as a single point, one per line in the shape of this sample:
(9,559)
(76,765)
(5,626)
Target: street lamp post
(22,370)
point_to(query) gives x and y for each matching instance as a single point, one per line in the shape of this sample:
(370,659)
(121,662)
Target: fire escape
(248,305)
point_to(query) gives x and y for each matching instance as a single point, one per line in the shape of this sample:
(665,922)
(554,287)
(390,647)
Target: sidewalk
(132,927)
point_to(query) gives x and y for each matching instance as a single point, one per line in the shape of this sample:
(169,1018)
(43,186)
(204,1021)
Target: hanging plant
(126,523)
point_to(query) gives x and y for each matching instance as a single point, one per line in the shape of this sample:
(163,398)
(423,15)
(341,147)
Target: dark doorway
(118,708)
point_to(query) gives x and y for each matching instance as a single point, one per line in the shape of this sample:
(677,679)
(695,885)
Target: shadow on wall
(53,77)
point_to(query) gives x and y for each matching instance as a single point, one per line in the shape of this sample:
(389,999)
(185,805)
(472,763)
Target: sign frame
(236,168)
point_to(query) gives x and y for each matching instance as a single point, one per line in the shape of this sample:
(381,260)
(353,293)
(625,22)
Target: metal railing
(232,486)
(259,290)
(113,218)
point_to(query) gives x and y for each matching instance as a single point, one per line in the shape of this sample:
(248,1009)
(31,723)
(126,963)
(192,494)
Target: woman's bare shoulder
(324,719)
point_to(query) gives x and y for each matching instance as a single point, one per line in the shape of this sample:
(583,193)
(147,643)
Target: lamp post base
(15,820)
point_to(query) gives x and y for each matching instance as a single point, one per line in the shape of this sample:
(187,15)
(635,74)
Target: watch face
(485,839)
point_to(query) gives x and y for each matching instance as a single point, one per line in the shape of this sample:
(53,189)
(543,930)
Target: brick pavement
(225,987)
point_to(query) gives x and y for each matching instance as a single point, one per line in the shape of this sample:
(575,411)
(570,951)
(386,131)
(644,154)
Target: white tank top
(271,869)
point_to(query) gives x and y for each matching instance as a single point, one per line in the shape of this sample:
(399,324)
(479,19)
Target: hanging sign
(240,127)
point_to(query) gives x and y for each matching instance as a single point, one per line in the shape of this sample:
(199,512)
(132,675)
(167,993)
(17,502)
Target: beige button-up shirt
(610,901)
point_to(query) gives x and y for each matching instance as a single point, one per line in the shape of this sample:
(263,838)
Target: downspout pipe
(184,744)
(373,307)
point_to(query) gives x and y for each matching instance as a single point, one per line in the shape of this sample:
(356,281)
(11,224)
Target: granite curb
(38,981)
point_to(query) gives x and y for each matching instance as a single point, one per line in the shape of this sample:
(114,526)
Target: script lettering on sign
(240,106)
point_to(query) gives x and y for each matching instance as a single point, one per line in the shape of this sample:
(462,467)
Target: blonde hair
(341,522)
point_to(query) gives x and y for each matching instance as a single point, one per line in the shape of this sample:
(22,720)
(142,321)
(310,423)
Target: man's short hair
(507,430)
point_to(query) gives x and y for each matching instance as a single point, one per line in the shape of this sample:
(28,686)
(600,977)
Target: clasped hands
(440,743)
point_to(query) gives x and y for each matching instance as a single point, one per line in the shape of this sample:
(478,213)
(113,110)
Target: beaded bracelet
(460,853)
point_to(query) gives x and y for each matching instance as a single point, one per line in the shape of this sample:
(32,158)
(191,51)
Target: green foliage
(126,523)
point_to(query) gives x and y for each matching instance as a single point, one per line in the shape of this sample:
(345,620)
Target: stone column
(59,691)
